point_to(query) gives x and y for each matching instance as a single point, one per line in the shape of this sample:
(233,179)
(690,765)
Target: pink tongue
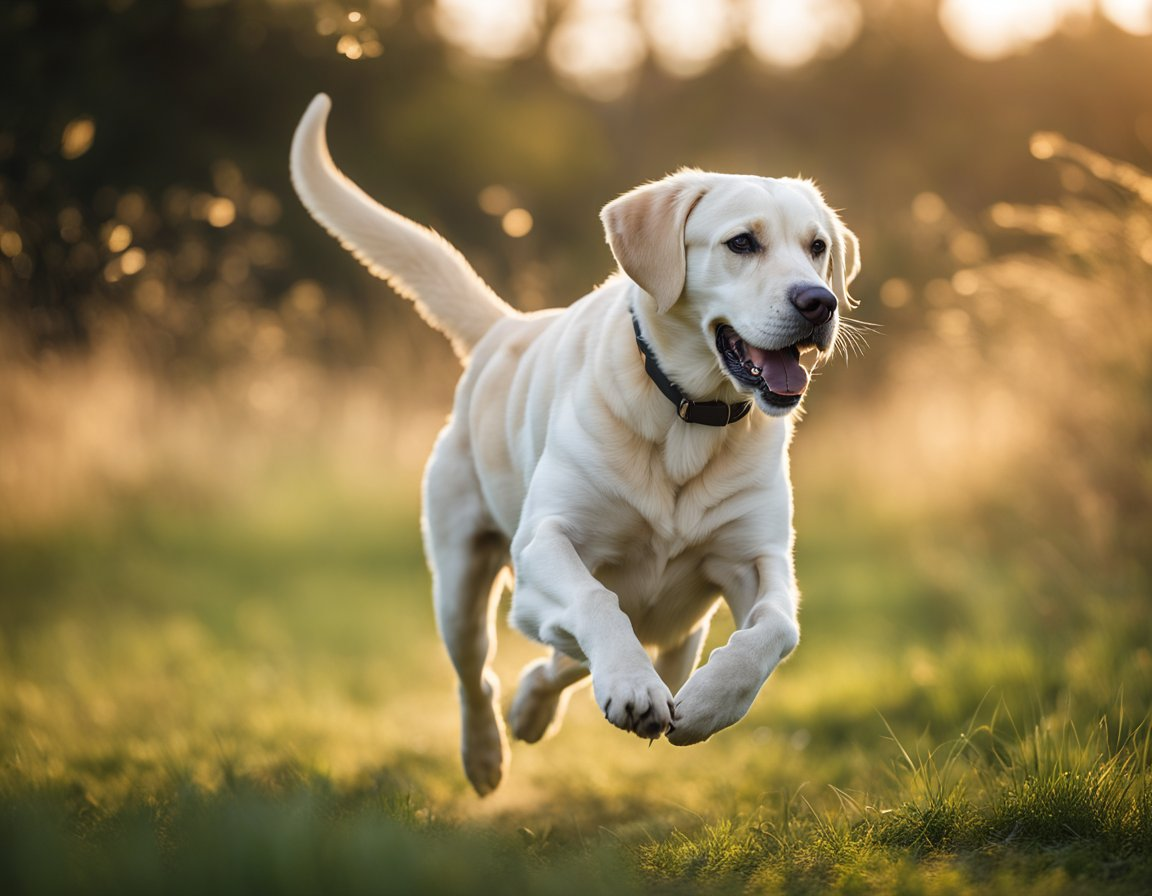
(781,369)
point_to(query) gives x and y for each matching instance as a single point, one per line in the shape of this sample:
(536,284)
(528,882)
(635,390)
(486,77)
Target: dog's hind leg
(675,664)
(466,555)
(542,696)
(465,593)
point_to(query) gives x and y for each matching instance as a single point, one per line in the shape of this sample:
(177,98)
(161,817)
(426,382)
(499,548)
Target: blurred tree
(143,148)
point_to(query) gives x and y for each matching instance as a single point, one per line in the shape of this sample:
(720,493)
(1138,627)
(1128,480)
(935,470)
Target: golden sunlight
(992,29)
(496,199)
(597,47)
(77,137)
(1134,16)
(496,30)
(790,33)
(11,243)
(132,261)
(517,222)
(687,36)
(220,212)
(119,238)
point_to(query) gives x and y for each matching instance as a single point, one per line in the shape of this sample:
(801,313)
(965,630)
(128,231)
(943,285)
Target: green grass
(249,697)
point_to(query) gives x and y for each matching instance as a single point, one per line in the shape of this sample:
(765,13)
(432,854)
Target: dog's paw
(484,744)
(538,707)
(638,702)
(704,706)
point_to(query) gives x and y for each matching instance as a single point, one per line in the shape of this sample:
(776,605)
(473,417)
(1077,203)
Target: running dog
(624,458)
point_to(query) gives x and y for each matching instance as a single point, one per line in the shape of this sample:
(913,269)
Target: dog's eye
(818,247)
(743,244)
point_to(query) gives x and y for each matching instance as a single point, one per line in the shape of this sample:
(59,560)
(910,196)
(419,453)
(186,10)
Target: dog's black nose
(816,303)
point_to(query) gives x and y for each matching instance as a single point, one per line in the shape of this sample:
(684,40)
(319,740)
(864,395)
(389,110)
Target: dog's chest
(687,495)
(661,546)
(657,537)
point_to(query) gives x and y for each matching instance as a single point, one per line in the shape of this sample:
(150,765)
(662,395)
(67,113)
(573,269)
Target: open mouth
(776,374)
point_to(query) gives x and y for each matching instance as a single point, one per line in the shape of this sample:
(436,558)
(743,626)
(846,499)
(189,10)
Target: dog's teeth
(754,370)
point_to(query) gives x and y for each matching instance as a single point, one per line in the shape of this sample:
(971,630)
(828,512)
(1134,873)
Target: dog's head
(759,266)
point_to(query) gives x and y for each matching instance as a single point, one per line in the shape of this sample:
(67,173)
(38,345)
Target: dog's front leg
(559,602)
(721,691)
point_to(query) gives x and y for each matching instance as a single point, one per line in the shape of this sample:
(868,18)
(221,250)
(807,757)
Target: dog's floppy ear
(645,229)
(845,260)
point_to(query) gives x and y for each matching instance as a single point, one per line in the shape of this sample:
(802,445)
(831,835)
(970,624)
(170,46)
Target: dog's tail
(417,262)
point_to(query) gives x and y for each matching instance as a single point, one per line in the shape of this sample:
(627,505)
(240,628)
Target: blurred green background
(212,420)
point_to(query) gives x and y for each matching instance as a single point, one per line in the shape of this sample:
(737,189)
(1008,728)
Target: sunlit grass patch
(967,814)
(715,851)
(164,644)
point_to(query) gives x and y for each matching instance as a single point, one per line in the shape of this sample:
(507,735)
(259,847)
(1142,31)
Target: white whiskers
(853,337)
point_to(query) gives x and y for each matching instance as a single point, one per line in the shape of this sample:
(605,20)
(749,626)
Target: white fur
(622,524)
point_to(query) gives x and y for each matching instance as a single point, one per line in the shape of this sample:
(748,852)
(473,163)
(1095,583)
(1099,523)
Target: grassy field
(247,695)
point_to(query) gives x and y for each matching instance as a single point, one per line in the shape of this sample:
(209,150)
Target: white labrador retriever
(606,451)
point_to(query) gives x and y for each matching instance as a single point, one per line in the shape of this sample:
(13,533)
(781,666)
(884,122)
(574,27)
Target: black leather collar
(707,413)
